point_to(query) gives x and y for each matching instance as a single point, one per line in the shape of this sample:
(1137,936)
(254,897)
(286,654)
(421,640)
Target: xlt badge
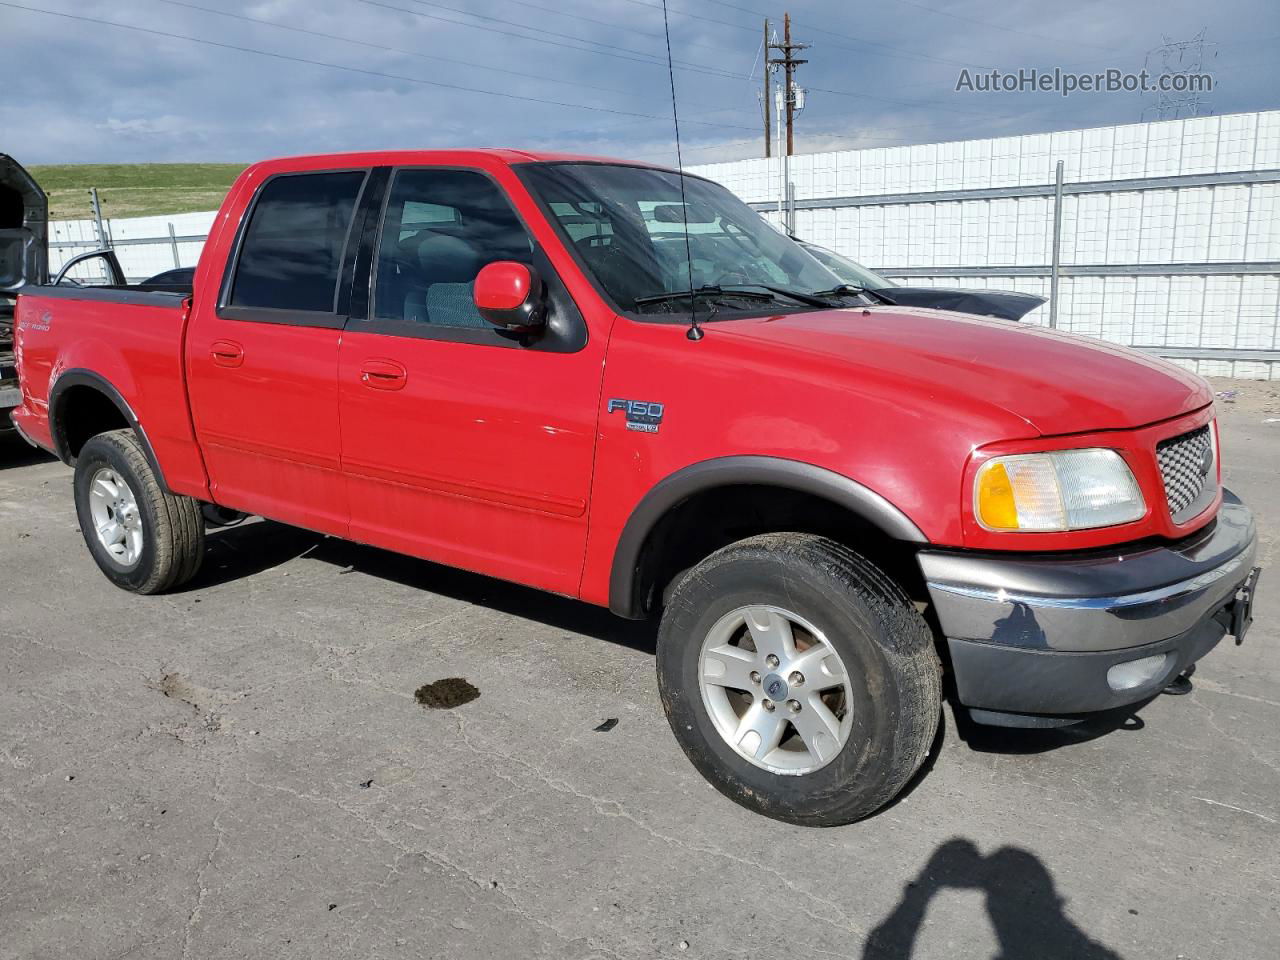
(642,415)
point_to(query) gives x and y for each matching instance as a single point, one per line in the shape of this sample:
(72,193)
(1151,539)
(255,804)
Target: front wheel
(143,538)
(798,678)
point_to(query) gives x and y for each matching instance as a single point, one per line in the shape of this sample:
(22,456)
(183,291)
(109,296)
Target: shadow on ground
(1014,740)
(258,545)
(1022,902)
(16,452)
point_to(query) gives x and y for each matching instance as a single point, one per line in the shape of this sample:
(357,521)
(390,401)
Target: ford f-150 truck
(612,382)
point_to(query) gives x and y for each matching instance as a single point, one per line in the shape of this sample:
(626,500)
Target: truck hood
(1059,383)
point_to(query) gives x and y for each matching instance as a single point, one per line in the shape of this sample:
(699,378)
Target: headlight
(1061,490)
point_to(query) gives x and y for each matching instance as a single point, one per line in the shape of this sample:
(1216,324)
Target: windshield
(627,224)
(846,269)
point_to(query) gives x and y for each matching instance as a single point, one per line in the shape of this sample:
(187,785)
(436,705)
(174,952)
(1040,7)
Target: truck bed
(85,329)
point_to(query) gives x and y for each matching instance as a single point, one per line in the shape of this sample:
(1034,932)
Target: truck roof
(461,155)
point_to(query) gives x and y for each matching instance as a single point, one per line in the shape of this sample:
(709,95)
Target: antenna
(695,332)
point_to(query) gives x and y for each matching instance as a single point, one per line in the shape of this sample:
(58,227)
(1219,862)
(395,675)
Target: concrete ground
(241,770)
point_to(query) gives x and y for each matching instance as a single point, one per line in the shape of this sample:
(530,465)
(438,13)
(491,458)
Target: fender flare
(77,377)
(740,471)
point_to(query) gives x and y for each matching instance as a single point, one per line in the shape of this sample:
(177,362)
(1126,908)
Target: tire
(158,541)
(882,691)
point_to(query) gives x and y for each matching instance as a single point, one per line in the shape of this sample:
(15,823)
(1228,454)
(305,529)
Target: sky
(282,77)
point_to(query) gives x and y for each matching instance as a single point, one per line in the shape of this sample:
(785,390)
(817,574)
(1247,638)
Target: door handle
(227,353)
(383,375)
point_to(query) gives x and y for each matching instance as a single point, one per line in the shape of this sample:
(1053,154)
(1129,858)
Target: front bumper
(1039,634)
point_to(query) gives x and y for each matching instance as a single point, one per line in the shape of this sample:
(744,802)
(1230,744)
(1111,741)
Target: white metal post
(1057,247)
(783,164)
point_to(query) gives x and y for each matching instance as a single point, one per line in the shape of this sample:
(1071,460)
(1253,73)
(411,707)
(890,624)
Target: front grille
(1190,475)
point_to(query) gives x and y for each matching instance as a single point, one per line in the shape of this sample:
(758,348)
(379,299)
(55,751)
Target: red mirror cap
(504,285)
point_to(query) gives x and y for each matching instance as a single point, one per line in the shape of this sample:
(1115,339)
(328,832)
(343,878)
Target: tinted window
(441,227)
(292,250)
(643,234)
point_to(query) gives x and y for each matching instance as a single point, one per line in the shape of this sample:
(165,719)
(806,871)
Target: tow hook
(1180,685)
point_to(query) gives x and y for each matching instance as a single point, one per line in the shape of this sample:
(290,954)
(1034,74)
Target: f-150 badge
(641,415)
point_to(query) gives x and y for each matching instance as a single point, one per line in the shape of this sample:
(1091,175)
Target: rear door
(460,443)
(262,361)
(24,237)
(24,253)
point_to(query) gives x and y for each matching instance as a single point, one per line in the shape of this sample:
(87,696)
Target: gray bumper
(1038,634)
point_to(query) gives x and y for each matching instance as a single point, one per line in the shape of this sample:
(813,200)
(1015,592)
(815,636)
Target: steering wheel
(602,241)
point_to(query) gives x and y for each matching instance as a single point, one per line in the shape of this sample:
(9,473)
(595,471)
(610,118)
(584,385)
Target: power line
(641,58)
(934,10)
(684,66)
(359,70)
(996,26)
(432,57)
(612,25)
(412,53)
(551,33)
(874,46)
(578,16)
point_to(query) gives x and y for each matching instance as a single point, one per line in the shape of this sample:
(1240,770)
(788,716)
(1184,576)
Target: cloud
(167,126)
(413,73)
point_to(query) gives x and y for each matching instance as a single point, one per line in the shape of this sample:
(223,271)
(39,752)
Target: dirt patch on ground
(1261,397)
(200,699)
(446,693)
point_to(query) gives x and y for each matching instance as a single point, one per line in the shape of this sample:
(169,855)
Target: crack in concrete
(435,857)
(607,807)
(202,891)
(1232,806)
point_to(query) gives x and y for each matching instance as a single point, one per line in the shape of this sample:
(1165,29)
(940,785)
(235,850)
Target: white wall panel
(1221,312)
(1263,241)
(1227,227)
(1124,228)
(1096,150)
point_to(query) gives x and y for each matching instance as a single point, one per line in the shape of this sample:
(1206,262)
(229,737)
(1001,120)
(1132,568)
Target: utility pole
(767,102)
(788,62)
(788,100)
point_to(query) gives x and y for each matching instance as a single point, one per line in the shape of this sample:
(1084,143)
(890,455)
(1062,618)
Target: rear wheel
(143,538)
(798,678)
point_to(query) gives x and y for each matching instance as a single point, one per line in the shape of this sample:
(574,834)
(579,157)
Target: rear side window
(291,254)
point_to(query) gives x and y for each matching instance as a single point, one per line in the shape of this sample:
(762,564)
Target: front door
(262,361)
(461,444)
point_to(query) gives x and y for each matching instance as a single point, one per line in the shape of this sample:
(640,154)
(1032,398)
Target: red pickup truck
(614,383)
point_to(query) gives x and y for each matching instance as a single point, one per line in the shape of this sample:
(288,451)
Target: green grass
(134,189)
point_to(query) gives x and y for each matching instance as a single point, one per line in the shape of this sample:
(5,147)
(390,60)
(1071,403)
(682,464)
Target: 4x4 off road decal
(641,415)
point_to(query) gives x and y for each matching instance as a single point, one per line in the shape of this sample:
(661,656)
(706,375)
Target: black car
(24,258)
(1005,304)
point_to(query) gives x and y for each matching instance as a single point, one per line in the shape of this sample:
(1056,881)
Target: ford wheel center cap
(775,687)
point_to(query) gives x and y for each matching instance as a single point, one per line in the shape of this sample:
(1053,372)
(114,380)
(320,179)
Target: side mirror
(511,296)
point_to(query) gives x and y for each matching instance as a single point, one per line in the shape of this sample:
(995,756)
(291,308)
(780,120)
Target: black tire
(887,652)
(172,527)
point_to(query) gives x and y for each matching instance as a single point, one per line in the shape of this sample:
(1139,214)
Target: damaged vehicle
(617,383)
(24,259)
(1005,304)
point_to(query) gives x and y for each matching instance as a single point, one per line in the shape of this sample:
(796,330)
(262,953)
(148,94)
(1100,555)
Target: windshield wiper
(849,289)
(810,299)
(707,290)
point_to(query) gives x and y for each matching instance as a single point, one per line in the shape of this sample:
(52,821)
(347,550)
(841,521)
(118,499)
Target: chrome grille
(1189,472)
